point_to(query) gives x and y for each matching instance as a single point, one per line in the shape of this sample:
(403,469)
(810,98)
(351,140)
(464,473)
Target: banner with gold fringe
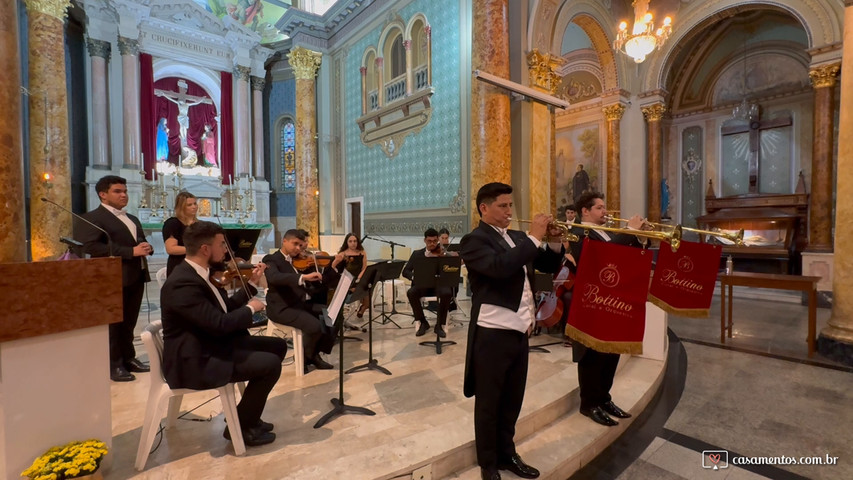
(608,311)
(684,281)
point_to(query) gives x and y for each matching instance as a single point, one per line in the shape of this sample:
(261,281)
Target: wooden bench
(768,280)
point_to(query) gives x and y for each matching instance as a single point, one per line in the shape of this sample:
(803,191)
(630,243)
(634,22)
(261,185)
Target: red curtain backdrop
(226,156)
(146,114)
(200,115)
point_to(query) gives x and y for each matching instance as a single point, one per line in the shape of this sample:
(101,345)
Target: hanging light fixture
(747,110)
(643,39)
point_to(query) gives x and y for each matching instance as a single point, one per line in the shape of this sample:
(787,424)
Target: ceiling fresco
(258,15)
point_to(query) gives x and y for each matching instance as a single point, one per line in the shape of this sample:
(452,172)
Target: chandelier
(747,110)
(643,38)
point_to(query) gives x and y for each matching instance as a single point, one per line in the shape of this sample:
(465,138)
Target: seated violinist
(415,294)
(296,298)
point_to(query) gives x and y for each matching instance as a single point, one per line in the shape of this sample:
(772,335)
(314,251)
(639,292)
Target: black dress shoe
(490,474)
(265,426)
(321,364)
(617,412)
(517,466)
(120,374)
(440,331)
(252,437)
(422,329)
(598,415)
(136,366)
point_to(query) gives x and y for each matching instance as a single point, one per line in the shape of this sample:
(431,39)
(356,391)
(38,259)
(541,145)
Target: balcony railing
(372,100)
(395,89)
(421,77)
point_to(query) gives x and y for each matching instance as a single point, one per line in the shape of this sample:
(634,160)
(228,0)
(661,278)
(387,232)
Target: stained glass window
(288,156)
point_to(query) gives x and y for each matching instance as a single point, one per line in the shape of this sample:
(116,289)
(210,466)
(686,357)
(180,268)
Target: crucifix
(754,129)
(184,102)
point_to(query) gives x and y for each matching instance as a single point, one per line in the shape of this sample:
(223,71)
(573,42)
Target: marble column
(50,165)
(99,55)
(242,123)
(613,114)
(820,218)
(540,171)
(428,31)
(836,339)
(305,64)
(410,69)
(13,227)
(258,84)
(491,156)
(654,116)
(129,50)
(363,71)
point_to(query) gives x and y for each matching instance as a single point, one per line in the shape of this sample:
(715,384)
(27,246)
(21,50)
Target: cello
(550,308)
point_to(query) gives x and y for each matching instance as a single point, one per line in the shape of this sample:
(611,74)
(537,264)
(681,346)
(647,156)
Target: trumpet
(566,234)
(736,238)
(672,237)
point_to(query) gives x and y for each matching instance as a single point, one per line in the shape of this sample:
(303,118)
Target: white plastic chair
(152,338)
(298,350)
(161,277)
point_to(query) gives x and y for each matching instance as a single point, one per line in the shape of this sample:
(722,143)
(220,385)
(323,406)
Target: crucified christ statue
(184,102)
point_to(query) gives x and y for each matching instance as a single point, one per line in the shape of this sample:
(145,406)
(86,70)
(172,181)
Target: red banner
(608,311)
(684,281)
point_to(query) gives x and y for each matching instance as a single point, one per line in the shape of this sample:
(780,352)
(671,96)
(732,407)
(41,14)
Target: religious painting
(579,164)
(579,86)
(257,15)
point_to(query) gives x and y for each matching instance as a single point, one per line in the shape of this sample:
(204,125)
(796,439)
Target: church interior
(722,119)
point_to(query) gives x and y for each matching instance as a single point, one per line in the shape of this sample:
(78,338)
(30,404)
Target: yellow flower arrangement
(73,460)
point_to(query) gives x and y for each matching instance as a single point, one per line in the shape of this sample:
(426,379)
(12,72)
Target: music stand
(393,290)
(362,290)
(434,273)
(335,310)
(388,270)
(542,282)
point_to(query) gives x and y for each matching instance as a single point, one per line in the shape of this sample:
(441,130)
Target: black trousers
(595,377)
(316,335)
(500,369)
(258,360)
(121,333)
(444,295)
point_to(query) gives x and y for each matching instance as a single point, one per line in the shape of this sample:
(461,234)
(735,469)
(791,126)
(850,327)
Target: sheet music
(340,295)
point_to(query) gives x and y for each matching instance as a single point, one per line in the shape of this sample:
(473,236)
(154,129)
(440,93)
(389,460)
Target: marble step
(568,443)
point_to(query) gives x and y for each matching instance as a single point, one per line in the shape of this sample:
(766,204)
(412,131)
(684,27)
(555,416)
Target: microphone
(109,239)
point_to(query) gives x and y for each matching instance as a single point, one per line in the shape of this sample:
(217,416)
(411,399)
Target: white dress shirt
(205,274)
(603,233)
(122,215)
(494,316)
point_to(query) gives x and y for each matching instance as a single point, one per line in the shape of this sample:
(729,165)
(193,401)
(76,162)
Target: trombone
(672,237)
(736,238)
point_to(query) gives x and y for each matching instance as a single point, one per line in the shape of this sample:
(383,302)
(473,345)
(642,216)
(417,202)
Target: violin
(317,260)
(222,275)
(550,309)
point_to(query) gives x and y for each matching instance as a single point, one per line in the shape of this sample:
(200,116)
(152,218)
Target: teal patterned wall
(692,178)
(425,174)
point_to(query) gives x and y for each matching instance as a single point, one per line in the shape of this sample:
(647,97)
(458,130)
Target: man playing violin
(296,298)
(433,249)
(205,336)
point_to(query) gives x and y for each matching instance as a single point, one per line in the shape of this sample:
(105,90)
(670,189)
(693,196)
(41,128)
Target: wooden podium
(54,355)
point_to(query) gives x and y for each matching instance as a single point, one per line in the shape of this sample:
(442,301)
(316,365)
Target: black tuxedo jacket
(284,289)
(409,269)
(578,350)
(197,334)
(96,244)
(496,276)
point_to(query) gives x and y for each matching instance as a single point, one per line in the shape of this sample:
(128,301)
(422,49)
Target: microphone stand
(109,239)
(393,287)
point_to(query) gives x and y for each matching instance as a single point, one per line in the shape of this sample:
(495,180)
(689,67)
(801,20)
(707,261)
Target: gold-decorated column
(654,116)
(50,165)
(613,116)
(541,171)
(491,157)
(836,339)
(305,64)
(820,219)
(13,227)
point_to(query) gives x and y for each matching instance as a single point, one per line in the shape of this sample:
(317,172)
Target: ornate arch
(407,33)
(822,22)
(204,77)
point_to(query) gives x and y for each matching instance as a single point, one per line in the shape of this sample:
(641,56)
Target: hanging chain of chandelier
(643,38)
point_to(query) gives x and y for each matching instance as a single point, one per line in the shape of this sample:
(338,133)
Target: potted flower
(73,460)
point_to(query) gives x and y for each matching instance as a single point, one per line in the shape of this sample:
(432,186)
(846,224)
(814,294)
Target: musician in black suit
(500,270)
(597,369)
(126,240)
(433,249)
(206,343)
(296,299)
